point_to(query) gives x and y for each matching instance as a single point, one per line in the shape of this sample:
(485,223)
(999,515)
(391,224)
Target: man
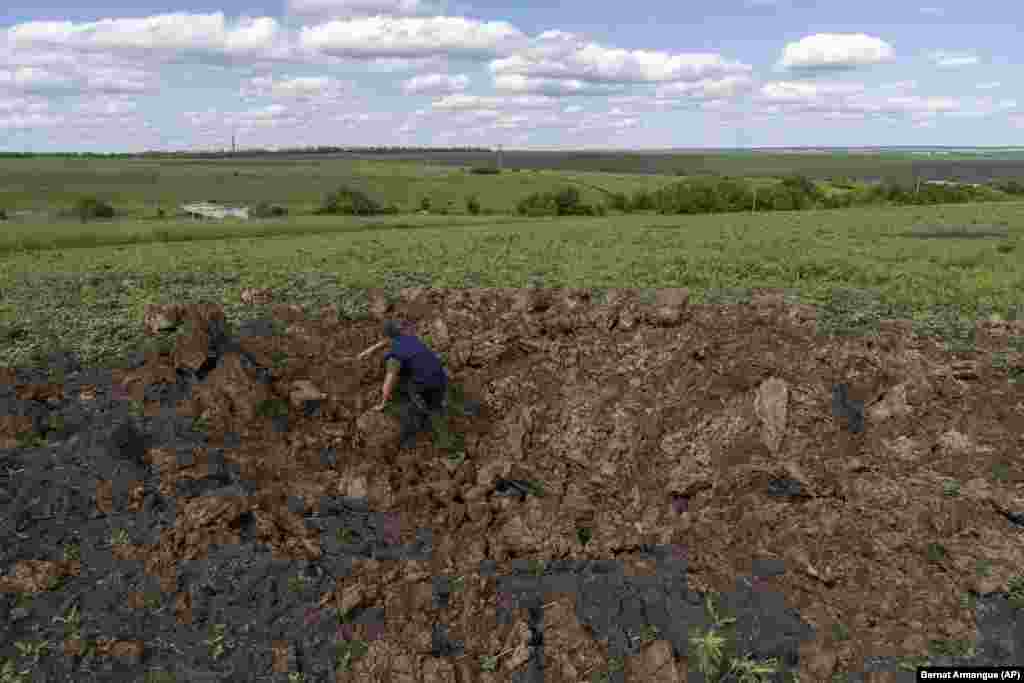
(419,376)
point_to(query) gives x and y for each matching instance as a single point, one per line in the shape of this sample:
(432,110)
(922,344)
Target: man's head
(392,329)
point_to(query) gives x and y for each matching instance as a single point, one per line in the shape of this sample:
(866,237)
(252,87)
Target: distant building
(211,210)
(950,182)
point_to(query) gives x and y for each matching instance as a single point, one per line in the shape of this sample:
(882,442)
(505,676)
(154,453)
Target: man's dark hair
(392,329)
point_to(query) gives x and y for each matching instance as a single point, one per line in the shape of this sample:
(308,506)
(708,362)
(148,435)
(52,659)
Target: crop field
(772,410)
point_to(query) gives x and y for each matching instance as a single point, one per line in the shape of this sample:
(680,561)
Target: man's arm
(394,366)
(376,347)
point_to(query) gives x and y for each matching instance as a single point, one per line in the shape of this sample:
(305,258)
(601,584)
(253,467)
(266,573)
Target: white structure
(200,210)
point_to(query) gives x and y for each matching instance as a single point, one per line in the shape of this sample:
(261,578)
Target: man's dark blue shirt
(419,363)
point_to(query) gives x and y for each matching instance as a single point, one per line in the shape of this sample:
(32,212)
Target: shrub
(1012,186)
(88,208)
(350,202)
(485,170)
(641,201)
(620,202)
(564,202)
(3,215)
(473,205)
(425,204)
(160,213)
(268,210)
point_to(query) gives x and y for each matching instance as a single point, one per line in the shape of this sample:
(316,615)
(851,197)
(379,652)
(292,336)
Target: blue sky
(125,76)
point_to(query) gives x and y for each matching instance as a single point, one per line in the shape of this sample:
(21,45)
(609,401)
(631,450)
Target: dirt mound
(851,501)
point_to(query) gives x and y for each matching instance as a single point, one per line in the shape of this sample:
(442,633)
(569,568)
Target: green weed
(272,407)
(218,642)
(72,552)
(160,677)
(10,674)
(348,651)
(936,552)
(72,623)
(1015,591)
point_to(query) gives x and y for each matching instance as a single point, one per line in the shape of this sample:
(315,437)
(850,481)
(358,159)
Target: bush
(1011,186)
(485,170)
(425,204)
(3,215)
(88,208)
(349,202)
(641,201)
(473,205)
(620,202)
(564,202)
(268,210)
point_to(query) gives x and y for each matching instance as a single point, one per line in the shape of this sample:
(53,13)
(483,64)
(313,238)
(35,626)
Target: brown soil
(718,431)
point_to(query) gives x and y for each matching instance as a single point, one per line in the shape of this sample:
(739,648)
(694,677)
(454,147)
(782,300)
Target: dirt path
(236,508)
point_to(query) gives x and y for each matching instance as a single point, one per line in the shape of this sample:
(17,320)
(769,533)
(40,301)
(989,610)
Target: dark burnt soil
(614,480)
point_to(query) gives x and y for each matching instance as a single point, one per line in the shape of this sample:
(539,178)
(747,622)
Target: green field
(137,188)
(944,266)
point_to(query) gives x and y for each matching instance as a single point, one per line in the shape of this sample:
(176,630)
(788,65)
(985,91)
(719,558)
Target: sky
(186,74)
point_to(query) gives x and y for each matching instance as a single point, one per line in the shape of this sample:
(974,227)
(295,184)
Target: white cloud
(933,11)
(302,87)
(177,32)
(708,88)
(555,87)
(561,55)
(573,109)
(806,91)
(835,51)
(410,37)
(21,105)
(435,84)
(900,85)
(469,102)
(337,9)
(30,79)
(30,121)
(952,59)
(847,101)
(989,86)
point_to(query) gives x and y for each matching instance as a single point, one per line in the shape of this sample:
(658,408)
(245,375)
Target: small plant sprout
(35,649)
(218,642)
(119,537)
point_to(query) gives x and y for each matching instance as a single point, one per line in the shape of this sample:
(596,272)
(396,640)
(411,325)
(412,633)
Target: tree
(88,208)
(473,205)
(351,202)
